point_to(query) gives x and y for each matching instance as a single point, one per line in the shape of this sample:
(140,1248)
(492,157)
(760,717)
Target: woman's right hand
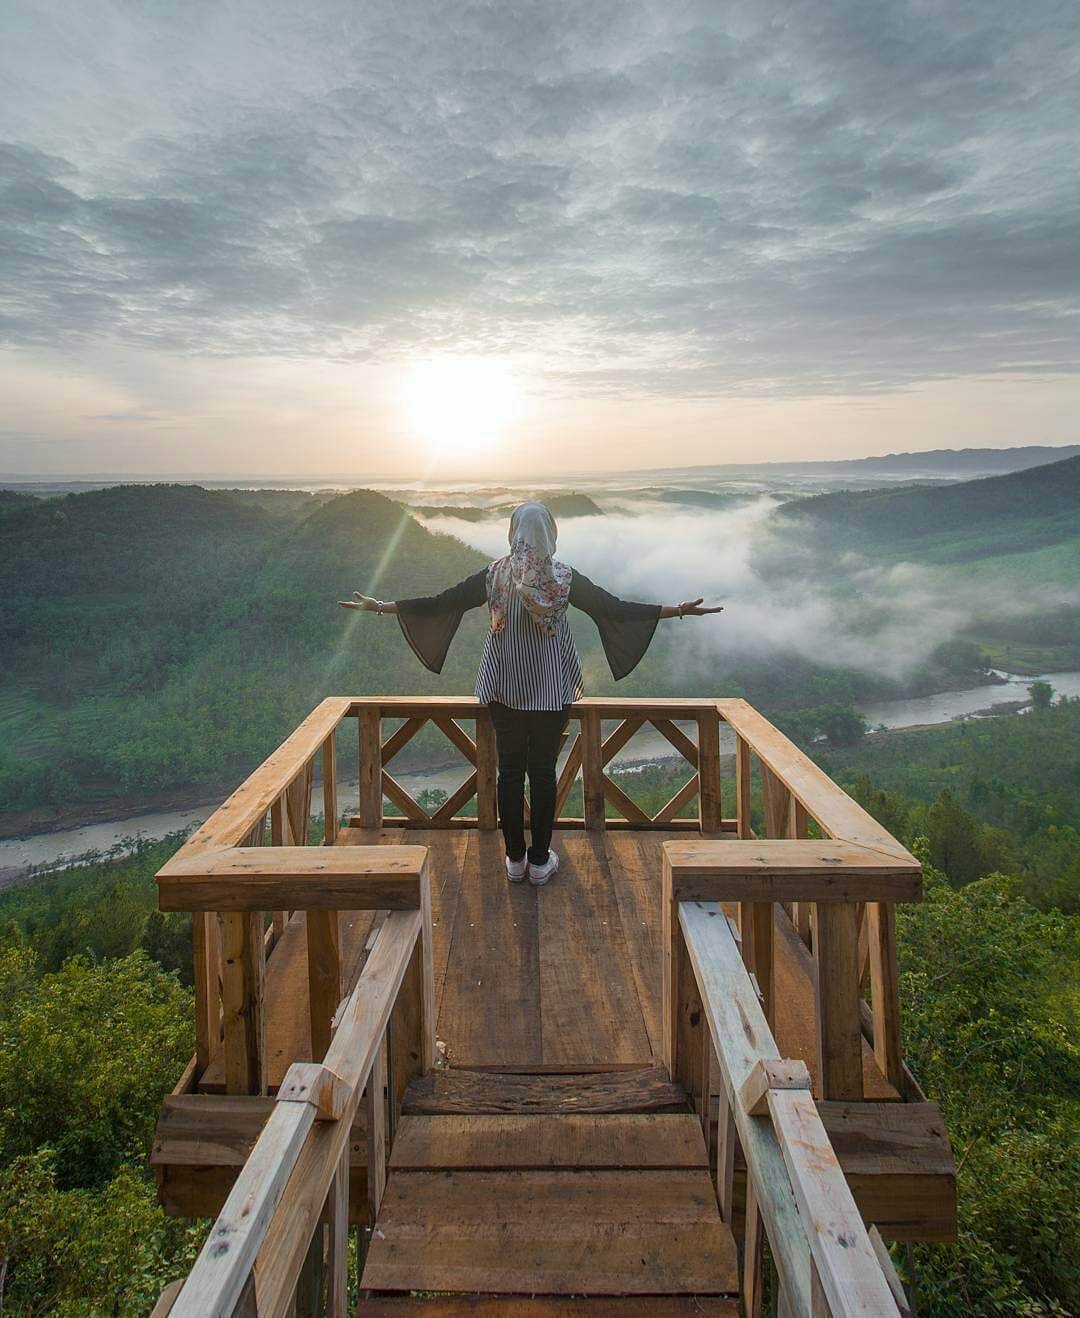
(364,602)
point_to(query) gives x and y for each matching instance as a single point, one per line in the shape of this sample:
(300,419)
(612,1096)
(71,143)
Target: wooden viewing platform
(602,1094)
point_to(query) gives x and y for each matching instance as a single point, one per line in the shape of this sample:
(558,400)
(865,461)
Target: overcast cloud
(675,200)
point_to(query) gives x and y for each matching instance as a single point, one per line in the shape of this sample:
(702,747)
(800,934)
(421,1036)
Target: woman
(529,670)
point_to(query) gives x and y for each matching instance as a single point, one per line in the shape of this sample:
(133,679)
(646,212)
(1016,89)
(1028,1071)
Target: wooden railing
(255,1252)
(796,1193)
(251,865)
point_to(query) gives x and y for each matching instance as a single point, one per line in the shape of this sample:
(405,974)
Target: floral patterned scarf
(542,583)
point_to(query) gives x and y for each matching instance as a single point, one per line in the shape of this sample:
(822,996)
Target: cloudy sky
(396,236)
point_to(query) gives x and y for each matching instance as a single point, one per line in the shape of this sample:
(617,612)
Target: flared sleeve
(430,622)
(625,628)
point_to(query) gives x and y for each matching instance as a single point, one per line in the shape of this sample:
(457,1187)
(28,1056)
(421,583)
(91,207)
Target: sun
(460,405)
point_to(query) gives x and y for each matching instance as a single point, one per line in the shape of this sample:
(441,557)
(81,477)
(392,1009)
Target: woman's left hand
(697,608)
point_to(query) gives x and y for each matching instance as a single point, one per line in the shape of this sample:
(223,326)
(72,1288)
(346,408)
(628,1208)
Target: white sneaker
(539,874)
(516,869)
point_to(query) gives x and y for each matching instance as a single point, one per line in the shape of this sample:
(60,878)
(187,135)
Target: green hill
(1014,513)
(163,639)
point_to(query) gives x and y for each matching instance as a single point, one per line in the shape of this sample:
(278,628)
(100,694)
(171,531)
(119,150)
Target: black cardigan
(429,623)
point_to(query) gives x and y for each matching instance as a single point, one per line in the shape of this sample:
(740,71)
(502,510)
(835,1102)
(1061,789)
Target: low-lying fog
(849,613)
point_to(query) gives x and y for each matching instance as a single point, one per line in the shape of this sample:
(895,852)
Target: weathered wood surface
(292,878)
(477,1143)
(221,1270)
(569,1232)
(476,1092)
(777,869)
(838,815)
(825,1238)
(550,1306)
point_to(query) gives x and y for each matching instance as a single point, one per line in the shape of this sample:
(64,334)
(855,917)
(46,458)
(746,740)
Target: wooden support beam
(843,1257)
(672,733)
(616,740)
(592,770)
(337,1242)
(726,1140)
(331,815)
(709,804)
(298,805)
(682,797)
(742,787)
(767,870)
(626,806)
(756,931)
(206,967)
(885,989)
(753,1274)
(456,799)
(294,878)
(400,738)
(325,984)
(369,765)
(486,771)
(221,1271)
(457,735)
(836,940)
(771,1073)
(243,969)
(393,791)
(569,772)
(375,1099)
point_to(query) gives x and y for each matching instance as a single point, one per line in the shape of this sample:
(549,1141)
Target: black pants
(528,742)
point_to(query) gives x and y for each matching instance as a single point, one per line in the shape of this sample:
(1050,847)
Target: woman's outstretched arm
(689,609)
(429,622)
(368,604)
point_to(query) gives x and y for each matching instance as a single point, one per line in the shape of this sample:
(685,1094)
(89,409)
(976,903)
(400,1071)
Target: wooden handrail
(814,1227)
(224,1265)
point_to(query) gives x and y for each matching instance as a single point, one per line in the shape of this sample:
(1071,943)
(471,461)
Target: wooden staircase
(549,1186)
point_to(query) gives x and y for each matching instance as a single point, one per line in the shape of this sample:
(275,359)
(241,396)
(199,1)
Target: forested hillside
(1019,511)
(168,636)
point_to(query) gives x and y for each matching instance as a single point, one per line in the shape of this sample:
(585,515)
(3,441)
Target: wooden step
(550,1306)
(656,1141)
(562,1232)
(460,1091)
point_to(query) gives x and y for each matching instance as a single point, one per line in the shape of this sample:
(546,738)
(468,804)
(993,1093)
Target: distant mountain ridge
(944,463)
(1041,505)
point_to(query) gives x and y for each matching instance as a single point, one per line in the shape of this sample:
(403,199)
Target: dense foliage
(87,1053)
(996,794)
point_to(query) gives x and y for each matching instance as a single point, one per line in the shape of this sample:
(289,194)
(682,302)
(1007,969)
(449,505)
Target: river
(20,855)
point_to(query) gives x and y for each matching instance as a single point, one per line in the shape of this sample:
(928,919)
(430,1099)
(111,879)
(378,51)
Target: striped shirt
(524,667)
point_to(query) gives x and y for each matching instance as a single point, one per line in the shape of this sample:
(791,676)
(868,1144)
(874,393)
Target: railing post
(683,1020)
(885,990)
(206,966)
(242,983)
(710,812)
(324,977)
(337,1251)
(369,763)
(836,950)
(592,769)
(411,1034)
(375,1109)
(329,790)
(486,770)
(742,786)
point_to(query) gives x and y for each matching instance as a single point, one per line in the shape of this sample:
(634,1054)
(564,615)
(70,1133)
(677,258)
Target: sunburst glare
(460,405)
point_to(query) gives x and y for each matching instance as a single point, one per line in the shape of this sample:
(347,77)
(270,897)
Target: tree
(1041,693)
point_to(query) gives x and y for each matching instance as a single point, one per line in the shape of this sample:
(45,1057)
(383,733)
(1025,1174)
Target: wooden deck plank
(480,1143)
(634,865)
(576,1232)
(490,1013)
(457,1091)
(590,1012)
(551,1306)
